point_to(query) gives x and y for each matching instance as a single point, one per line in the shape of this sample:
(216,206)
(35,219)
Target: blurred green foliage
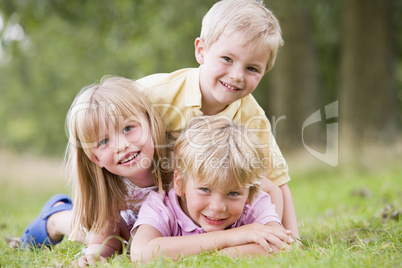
(68,44)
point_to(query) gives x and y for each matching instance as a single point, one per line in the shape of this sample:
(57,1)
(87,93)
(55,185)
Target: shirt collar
(186,224)
(232,109)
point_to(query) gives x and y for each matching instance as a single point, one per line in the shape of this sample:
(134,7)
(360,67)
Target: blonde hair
(98,194)
(259,25)
(215,150)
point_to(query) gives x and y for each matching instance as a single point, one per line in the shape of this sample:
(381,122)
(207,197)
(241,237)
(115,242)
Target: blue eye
(233,194)
(204,189)
(127,129)
(103,142)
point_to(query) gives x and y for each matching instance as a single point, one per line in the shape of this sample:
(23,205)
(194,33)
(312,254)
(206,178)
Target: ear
(95,159)
(199,50)
(178,183)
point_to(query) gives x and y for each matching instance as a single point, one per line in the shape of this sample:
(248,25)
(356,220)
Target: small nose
(217,204)
(121,143)
(236,74)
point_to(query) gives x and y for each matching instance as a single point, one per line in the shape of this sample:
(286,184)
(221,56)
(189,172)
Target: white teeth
(131,157)
(214,219)
(226,85)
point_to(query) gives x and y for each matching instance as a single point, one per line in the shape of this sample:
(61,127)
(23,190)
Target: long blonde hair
(98,194)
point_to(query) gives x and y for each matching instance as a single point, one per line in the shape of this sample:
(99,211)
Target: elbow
(142,253)
(140,256)
(135,258)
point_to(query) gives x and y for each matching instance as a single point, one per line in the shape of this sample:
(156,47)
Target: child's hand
(264,235)
(282,238)
(88,260)
(93,254)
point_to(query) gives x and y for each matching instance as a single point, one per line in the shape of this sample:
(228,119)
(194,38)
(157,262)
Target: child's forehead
(235,42)
(226,185)
(118,122)
(243,38)
(97,122)
(115,114)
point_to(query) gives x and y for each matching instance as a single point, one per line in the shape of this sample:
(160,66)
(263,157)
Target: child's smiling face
(211,207)
(126,150)
(229,70)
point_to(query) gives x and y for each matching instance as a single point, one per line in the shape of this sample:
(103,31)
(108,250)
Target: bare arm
(275,193)
(289,220)
(148,241)
(102,246)
(248,250)
(254,249)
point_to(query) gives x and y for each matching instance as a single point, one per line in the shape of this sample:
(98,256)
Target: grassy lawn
(348,217)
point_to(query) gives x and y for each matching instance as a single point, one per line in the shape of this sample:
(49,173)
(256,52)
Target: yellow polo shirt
(177,96)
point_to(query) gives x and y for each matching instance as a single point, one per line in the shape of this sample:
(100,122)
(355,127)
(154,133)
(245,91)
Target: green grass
(345,220)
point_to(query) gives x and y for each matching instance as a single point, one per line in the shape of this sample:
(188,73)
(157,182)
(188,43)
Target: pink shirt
(165,214)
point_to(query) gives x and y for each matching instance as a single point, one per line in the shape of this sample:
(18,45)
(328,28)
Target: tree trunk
(367,87)
(294,79)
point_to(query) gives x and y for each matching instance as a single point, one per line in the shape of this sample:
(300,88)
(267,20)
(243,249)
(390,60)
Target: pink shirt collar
(186,224)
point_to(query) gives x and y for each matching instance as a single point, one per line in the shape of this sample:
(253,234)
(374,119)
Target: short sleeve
(261,210)
(156,214)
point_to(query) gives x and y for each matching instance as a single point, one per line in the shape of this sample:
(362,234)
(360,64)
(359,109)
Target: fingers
(277,237)
(285,236)
(270,243)
(92,260)
(81,262)
(268,237)
(264,244)
(279,243)
(281,233)
(88,260)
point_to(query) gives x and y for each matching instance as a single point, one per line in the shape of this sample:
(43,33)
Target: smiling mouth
(129,158)
(212,220)
(229,86)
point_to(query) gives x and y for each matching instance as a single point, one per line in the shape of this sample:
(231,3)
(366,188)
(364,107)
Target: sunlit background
(335,91)
(334,99)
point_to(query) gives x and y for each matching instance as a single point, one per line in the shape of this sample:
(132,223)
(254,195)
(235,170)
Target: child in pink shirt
(215,202)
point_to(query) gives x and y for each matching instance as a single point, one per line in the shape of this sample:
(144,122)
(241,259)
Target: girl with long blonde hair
(116,152)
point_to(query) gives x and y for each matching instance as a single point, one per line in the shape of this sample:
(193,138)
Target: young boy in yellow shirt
(238,45)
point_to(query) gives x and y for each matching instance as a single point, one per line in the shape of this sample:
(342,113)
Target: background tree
(368,95)
(70,44)
(294,80)
(50,49)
